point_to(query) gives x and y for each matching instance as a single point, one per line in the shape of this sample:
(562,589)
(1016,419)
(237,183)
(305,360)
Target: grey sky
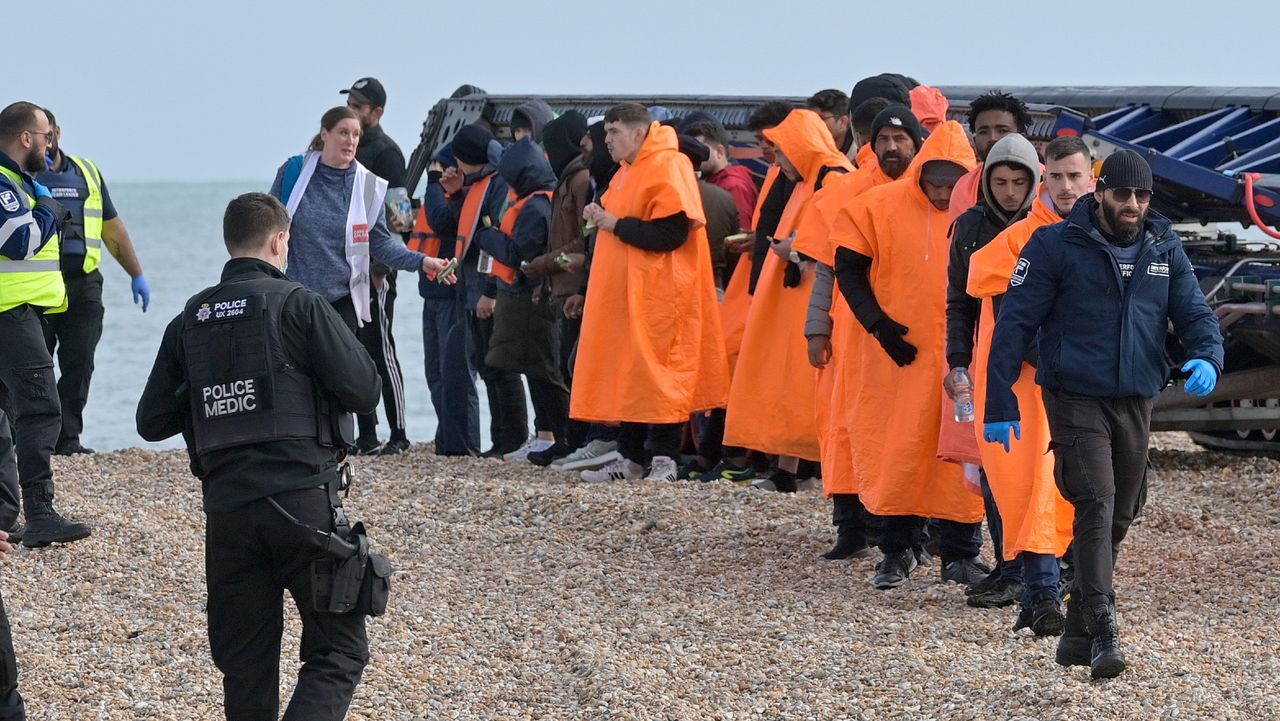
(229,89)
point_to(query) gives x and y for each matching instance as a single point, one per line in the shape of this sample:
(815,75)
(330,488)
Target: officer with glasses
(1097,292)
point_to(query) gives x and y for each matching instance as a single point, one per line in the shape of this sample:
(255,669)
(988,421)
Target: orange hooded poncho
(771,402)
(1035,516)
(814,240)
(893,419)
(737,299)
(652,348)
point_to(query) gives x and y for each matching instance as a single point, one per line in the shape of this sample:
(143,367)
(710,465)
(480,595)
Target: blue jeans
(450,378)
(1040,573)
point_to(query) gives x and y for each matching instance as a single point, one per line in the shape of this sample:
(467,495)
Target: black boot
(851,541)
(1074,647)
(45,525)
(16,533)
(849,545)
(1106,660)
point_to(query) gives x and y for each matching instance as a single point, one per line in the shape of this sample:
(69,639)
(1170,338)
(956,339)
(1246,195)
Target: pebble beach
(525,594)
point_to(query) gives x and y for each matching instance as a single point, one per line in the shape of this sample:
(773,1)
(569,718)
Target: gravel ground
(523,594)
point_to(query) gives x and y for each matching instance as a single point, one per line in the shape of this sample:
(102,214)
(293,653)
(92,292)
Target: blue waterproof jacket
(1097,336)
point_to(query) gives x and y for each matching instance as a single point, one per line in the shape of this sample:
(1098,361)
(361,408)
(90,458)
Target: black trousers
(1100,465)
(73,335)
(11,708)
(252,556)
(956,541)
(640,442)
(378,340)
(30,396)
(853,519)
(508,412)
(526,340)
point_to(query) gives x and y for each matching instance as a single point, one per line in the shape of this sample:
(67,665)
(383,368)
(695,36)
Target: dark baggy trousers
(508,412)
(956,541)
(1100,465)
(640,442)
(378,340)
(73,335)
(252,556)
(451,380)
(30,396)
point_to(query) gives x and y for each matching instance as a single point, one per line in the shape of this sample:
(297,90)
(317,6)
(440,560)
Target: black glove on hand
(791,276)
(890,335)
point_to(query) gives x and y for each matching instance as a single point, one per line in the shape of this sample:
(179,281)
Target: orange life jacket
(422,238)
(508,227)
(469,219)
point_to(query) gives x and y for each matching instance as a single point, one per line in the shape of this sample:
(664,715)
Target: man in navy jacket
(1097,292)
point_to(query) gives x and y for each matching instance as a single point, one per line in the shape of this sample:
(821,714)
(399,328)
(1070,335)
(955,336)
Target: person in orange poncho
(930,106)
(714,460)
(1036,519)
(652,350)
(829,326)
(992,116)
(1010,176)
(773,372)
(891,266)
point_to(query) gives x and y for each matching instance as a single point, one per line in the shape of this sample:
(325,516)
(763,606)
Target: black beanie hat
(471,144)
(1125,169)
(898,116)
(879,86)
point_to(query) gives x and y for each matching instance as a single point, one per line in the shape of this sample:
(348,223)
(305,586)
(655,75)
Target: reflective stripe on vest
(92,212)
(506,272)
(36,280)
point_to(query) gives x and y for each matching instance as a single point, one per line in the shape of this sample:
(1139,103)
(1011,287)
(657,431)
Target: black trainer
(1047,618)
(71,448)
(1005,592)
(986,584)
(553,452)
(965,571)
(848,546)
(393,447)
(894,569)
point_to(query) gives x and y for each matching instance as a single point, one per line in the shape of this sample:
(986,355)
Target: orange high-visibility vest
(508,227)
(469,218)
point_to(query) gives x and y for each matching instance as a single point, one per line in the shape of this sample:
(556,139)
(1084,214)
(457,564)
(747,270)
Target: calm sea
(177,230)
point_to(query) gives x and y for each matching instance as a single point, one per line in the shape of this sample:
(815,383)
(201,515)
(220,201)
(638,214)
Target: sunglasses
(1122,195)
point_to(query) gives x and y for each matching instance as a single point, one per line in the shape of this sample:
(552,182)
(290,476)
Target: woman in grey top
(321,255)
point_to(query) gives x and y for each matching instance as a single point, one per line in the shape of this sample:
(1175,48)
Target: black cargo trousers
(1100,465)
(11,706)
(252,555)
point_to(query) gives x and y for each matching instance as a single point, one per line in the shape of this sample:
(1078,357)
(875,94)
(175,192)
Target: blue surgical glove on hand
(1204,376)
(998,432)
(141,292)
(41,191)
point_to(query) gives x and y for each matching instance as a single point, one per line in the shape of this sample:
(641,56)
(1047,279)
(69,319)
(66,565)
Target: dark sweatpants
(378,340)
(640,442)
(1100,465)
(73,335)
(956,542)
(252,556)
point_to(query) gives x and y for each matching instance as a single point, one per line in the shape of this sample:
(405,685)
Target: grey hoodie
(538,114)
(1014,149)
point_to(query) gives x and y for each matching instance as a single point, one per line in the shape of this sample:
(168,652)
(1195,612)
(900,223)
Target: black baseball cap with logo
(367,90)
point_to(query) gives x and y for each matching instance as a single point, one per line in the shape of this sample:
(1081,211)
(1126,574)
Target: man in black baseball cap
(379,153)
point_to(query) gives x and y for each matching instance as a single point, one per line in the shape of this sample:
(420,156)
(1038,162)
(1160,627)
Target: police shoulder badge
(203,314)
(9,201)
(1020,272)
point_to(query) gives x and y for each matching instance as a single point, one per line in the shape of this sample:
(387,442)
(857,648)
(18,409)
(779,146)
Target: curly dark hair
(768,115)
(999,100)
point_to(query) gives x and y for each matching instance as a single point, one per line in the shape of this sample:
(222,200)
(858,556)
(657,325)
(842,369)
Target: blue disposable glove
(1204,376)
(41,191)
(998,432)
(141,292)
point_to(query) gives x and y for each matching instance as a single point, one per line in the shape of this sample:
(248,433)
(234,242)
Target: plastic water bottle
(963,388)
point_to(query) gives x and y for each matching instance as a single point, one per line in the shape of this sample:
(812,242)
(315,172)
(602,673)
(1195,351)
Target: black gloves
(890,335)
(791,275)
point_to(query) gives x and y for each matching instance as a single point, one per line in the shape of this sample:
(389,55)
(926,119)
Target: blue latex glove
(41,191)
(1204,376)
(141,292)
(998,432)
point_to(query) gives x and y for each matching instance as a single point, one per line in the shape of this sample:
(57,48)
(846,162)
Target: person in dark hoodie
(526,338)
(1008,183)
(529,119)
(476,197)
(450,378)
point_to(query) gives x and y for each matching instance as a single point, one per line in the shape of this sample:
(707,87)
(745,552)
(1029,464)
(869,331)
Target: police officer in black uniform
(257,373)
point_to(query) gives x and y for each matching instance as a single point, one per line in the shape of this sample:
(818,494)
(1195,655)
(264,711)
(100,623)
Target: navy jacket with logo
(1097,336)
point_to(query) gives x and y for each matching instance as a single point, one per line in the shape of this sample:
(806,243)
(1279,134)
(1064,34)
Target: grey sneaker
(662,469)
(619,470)
(595,454)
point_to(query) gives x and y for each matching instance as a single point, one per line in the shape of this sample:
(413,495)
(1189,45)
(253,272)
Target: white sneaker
(619,470)
(595,454)
(533,445)
(662,469)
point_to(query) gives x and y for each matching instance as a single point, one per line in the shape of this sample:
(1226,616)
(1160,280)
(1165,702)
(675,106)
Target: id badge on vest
(360,234)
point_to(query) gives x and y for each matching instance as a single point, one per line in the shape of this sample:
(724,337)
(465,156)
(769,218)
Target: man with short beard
(31,284)
(1097,292)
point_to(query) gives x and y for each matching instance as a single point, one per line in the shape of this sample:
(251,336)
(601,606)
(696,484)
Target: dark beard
(34,163)
(1121,230)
